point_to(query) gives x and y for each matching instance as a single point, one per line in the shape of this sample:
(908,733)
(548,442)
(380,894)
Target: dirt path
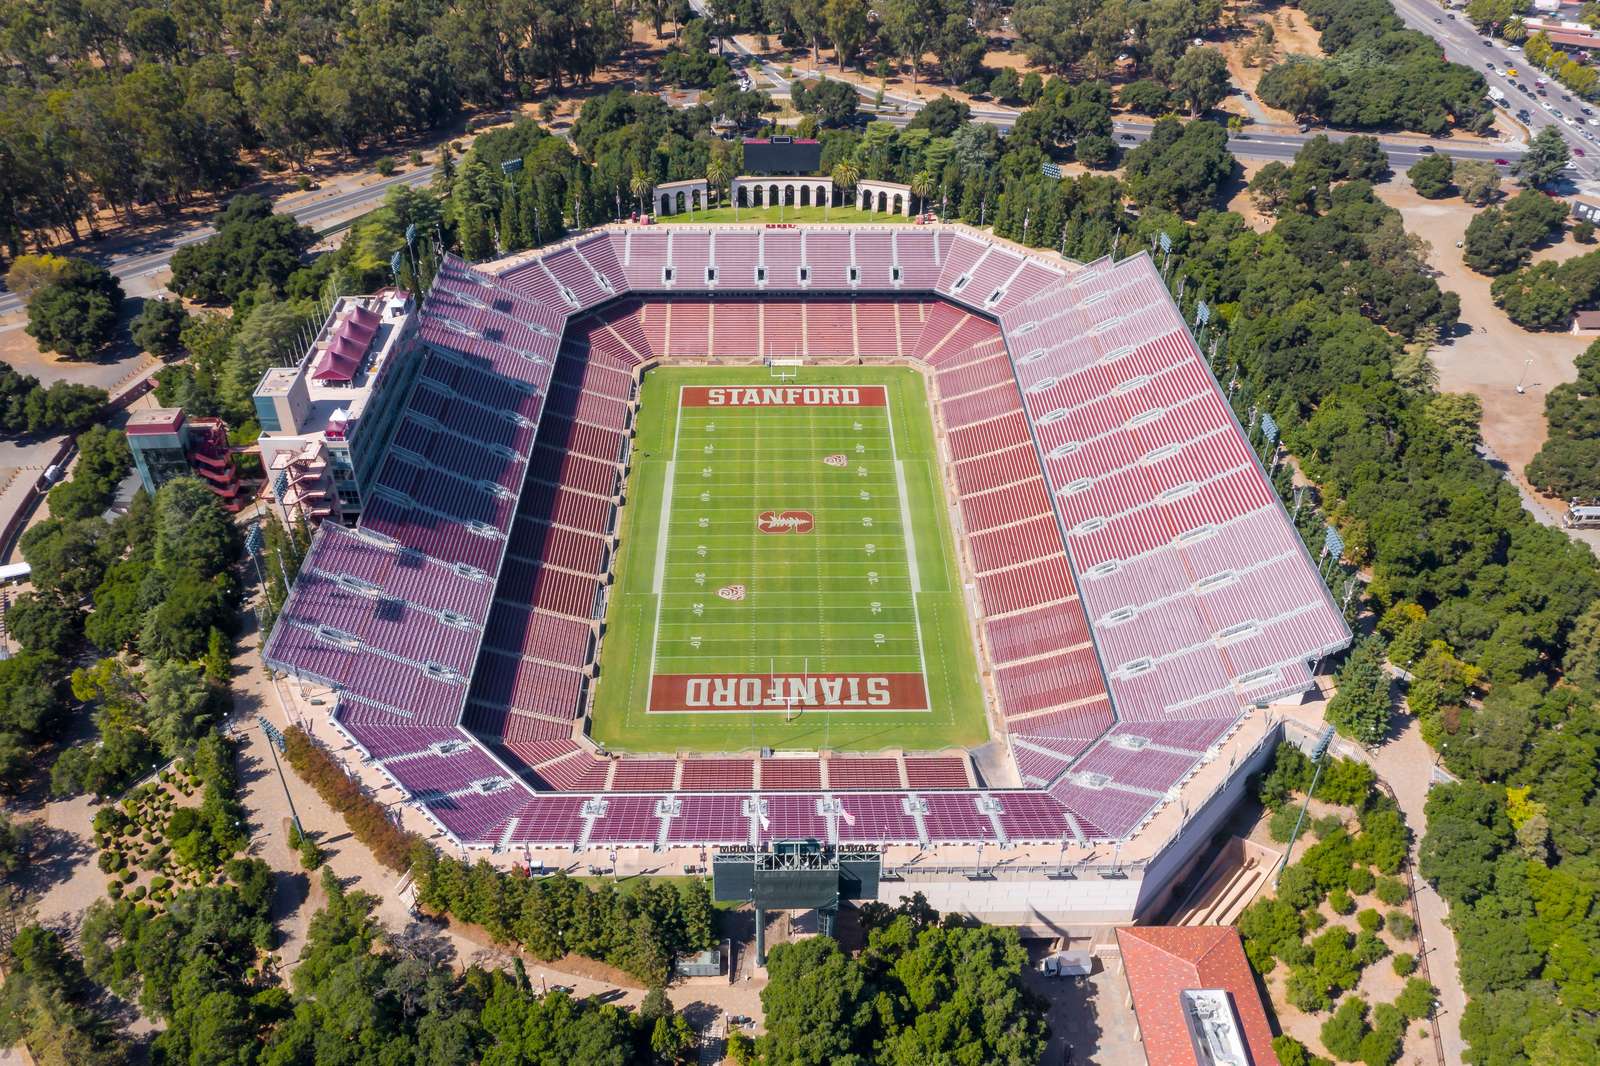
(1404,763)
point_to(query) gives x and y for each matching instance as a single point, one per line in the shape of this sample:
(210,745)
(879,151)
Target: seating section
(1101,479)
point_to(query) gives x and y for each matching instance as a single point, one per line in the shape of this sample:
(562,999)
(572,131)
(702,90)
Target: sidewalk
(1403,764)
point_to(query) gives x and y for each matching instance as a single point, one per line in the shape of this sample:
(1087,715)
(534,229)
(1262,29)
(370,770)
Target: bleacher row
(511,818)
(1145,483)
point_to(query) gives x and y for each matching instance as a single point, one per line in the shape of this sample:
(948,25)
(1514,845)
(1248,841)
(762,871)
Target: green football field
(786,575)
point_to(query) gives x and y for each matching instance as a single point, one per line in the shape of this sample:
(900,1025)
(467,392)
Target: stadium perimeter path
(300,895)
(1397,764)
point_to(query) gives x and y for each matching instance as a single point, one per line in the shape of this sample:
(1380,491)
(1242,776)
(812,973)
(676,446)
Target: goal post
(783,369)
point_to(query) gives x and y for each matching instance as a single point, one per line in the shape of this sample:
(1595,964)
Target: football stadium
(900,539)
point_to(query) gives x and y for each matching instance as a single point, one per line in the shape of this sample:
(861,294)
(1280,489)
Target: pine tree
(1361,707)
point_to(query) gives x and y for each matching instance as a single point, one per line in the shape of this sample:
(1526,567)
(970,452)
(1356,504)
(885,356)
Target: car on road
(1426,149)
(1513,48)
(740,1020)
(1438,22)
(1490,66)
(1502,162)
(1568,120)
(1577,151)
(1127,136)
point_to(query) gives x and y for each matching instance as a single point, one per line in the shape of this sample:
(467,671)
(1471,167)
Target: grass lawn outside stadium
(803,552)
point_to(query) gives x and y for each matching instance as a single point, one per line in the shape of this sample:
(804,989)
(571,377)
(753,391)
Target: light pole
(1526,363)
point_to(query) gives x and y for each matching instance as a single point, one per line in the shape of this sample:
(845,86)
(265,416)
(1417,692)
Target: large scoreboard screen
(794,875)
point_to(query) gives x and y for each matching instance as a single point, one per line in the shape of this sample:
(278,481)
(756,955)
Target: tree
(1201,78)
(1477,180)
(1431,176)
(253,247)
(158,327)
(1296,85)
(44,623)
(1360,708)
(1459,415)
(1342,1034)
(833,102)
(178,707)
(1544,160)
(1181,167)
(1145,97)
(1500,239)
(31,273)
(76,313)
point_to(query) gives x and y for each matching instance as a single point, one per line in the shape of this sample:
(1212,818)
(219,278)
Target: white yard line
(658,579)
(910,536)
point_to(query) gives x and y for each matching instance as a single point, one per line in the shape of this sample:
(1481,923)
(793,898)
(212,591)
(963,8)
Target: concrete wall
(1170,866)
(1041,907)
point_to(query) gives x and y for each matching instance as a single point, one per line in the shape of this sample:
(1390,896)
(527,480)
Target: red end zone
(781,692)
(783,396)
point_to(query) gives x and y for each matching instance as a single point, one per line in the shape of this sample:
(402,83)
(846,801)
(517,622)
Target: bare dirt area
(1241,204)
(1490,355)
(1292,34)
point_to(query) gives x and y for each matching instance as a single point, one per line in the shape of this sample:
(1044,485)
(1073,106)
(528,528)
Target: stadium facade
(1141,594)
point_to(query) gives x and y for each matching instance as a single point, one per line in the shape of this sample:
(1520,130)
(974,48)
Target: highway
(1267,144)
(1463,44)
(151,257)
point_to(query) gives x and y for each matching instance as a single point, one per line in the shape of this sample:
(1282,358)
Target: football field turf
(787,577)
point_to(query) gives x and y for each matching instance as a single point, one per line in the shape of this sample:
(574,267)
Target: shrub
(137,894)
(368,820)
(1326,826)
(1283,822)
(304,183)
(1360,881)
(385,165)
(1340,901)
(310,854)
(114,889)
(1401,925)
(1369,920)
(1404,963)
(182,823)
(1369,948)
(158,883)
(1314,920)
(1392,891)
(128,876)
(1416,999)
(1342,1034)
(1305,991)
(1380,1047)
(415,158)
(110,861)
(1290,1051)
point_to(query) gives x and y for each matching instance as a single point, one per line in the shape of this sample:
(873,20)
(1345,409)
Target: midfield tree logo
(786,522)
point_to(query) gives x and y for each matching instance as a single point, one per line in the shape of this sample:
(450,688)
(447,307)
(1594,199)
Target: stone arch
(741,197)
(805,196)
(678,203)
(772,196)
(665,201)
(899,204)
(883,200)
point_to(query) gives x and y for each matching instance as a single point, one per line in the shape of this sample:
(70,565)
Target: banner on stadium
(783,396)
(785,692)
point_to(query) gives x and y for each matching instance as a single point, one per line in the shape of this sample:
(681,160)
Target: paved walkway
(1404,764)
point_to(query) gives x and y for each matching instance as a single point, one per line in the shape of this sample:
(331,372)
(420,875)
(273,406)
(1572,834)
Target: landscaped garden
(1335,942)
(175,831)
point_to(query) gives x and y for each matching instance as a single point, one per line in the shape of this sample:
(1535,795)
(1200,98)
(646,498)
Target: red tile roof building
(1163,962)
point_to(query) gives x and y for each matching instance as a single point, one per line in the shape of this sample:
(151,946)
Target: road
(1463,44)
(1267,144)
(141,260)
(1264,144)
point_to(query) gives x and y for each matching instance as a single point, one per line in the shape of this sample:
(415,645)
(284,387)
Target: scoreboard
(795,875)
